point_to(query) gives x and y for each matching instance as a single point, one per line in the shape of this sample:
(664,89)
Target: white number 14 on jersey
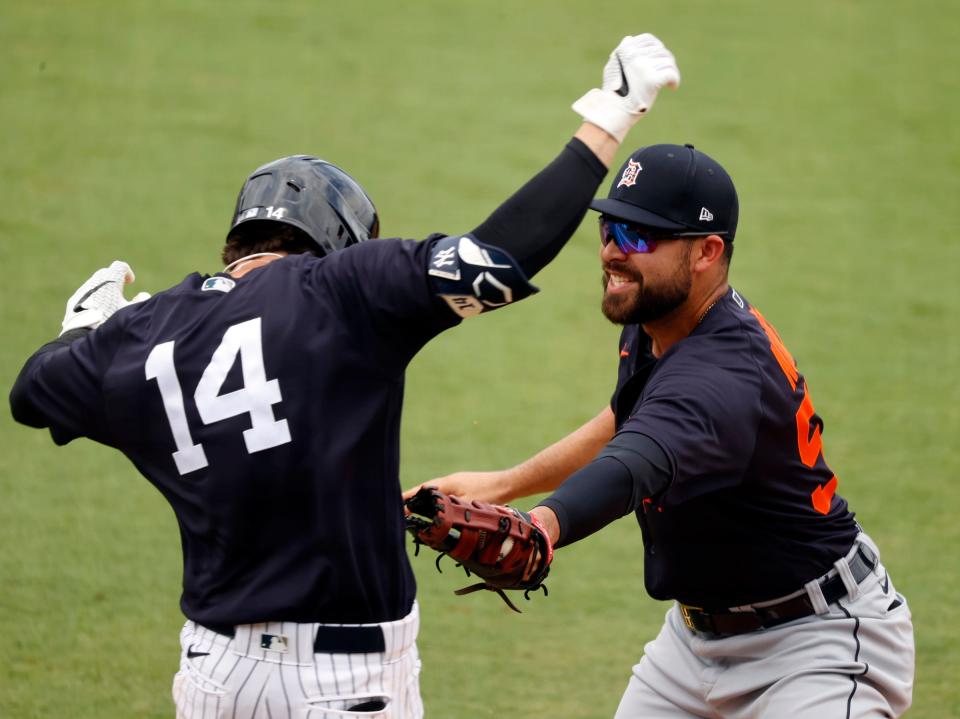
(256,397)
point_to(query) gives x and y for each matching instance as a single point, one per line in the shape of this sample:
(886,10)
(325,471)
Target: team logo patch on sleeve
(629,176)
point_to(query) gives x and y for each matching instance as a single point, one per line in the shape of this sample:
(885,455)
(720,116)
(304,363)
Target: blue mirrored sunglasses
(632,238)
(629,238)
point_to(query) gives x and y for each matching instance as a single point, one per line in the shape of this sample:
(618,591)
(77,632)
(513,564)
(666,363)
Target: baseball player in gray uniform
(782,607)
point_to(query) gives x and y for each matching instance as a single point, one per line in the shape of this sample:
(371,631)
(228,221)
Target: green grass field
(127,128)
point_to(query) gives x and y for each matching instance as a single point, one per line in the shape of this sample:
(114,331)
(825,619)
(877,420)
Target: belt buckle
(687,619)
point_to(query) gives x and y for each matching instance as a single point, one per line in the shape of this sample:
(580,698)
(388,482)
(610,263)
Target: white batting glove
(99,297)
(637,70)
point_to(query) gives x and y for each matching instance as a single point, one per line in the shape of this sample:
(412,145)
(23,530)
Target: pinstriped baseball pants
(270,671)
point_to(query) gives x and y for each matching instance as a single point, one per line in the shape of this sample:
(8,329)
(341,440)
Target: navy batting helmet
(312,195)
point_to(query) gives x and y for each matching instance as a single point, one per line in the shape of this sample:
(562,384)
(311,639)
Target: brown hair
(728,250)
(253,237)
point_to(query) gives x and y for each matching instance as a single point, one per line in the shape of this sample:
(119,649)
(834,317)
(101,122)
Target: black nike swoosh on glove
(625,87)
(77,307)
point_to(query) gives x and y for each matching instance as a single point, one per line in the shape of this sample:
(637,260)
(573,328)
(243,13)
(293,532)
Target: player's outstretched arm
(491,266)
(536,221)
(541,473)
(95,301)
(631,469)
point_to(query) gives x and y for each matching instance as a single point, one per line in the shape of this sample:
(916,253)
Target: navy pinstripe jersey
(266,409)
(752,511)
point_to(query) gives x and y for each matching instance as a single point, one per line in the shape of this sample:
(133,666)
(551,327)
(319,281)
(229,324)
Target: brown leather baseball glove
(504,547)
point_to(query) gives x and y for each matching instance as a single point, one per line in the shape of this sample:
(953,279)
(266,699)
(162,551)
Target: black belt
(331,639)
(723,621)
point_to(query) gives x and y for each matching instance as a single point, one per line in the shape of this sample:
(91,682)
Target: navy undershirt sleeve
(536,221)
(629,469)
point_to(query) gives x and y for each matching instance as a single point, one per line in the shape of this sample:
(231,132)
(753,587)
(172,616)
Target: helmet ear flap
(312,195)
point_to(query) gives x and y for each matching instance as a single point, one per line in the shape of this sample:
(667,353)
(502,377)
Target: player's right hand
(482,486)
(99,297)
(638,68)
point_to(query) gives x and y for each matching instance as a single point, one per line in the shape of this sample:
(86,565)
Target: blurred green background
(126,129)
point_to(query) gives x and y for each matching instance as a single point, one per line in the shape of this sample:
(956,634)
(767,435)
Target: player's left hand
(638,68)
(99,297)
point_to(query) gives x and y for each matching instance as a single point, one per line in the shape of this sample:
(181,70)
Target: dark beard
(649,303)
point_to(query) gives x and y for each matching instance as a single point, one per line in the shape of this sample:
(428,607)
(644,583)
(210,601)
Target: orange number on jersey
(809,445)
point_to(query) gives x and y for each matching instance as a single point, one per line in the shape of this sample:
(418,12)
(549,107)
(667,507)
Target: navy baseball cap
(675,188)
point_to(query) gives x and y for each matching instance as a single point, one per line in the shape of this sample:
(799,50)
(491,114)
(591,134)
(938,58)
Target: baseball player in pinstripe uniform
(264,402)
(782,607)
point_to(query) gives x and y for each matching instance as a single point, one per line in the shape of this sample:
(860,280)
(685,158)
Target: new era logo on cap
(705,215)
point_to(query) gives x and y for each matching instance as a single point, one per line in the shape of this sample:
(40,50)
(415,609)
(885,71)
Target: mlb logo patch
(273,642)
(629,176)
(218,284)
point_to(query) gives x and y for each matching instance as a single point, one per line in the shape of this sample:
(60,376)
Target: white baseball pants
(270,671)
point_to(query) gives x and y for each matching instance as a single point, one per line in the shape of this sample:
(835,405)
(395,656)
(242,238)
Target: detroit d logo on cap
(629,176)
